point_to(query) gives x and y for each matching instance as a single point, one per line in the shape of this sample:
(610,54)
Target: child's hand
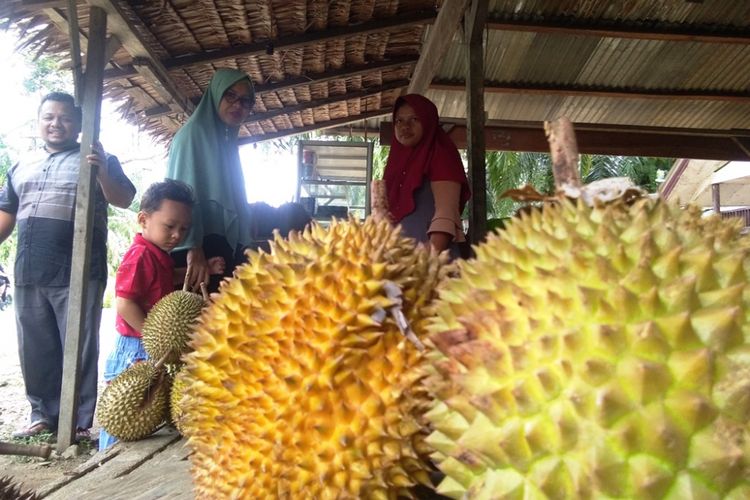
(216,265)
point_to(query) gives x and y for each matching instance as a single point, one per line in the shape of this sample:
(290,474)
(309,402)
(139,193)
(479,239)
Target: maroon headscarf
(434,157)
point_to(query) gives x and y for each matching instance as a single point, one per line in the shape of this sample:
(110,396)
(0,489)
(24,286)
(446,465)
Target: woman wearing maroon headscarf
(425,181)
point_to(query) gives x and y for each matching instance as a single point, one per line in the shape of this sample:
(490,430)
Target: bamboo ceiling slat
(361,10)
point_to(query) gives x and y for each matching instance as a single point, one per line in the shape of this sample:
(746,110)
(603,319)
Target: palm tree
(510,170)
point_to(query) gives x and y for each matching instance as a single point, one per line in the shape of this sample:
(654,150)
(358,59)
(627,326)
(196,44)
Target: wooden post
(83,229)
(716,198)
(75,48)
(437,44)
(474,22)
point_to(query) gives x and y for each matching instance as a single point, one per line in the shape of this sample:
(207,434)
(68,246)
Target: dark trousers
(213,246)
(41,315)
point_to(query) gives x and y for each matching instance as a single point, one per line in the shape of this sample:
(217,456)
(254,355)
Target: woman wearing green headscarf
(205,155)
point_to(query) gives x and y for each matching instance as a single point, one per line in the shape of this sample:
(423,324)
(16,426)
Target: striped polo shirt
(41,191)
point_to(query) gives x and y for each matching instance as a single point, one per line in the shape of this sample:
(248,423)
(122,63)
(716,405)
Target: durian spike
(564,151)
(204,291)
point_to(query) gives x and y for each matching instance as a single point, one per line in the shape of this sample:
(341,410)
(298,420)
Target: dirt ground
(14,410)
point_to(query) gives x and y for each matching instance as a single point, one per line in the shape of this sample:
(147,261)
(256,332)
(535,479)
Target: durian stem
(564,151)
(185,279)
(204,291)
(378,200)
(393,292)
(161,361)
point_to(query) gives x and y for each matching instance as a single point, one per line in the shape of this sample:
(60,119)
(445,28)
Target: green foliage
(641,170)
(122,226)
(45,77)
(512,170)
(8,247)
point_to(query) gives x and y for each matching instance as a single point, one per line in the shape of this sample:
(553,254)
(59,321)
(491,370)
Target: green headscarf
(204,154)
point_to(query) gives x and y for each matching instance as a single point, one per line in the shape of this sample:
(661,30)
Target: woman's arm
(197,270)
(130,312)
(446,222)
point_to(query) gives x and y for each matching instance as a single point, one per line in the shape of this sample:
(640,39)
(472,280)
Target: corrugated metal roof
(642,63)
(571,63)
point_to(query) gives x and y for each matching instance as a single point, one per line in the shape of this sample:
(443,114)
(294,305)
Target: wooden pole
(83,229)
(75,48)
(716,198)
(437,44)
(474,22)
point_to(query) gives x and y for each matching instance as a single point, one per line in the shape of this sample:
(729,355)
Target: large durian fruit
(168,325)
(596,353)
(300,384)
(136,401)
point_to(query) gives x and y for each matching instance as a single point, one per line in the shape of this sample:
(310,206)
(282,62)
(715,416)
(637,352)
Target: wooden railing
(743,213)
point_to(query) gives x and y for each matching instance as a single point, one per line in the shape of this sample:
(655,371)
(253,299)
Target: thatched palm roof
(313,62)
(676,72)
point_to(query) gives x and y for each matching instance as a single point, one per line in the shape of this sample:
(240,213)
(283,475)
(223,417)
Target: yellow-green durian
(176,393)
(136,402)
(596,353)
(169,323)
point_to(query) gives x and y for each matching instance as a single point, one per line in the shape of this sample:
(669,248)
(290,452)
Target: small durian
(136,402)
(175,396)
(168,325)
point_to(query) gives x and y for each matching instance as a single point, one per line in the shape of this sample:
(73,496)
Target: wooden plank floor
(155,467)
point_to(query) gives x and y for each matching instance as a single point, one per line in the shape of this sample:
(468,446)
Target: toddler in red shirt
(147,273)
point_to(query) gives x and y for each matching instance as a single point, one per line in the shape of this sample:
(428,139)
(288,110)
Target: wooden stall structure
(668,78)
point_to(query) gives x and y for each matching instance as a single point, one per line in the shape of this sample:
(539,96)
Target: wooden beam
(335,74)
(665,142)
(74,35)
(32,5)
(663,32)
(716,198)
(60,20)
(296,41)
(315,126)
(310,80)
(127,27)
(476,151)
(83,228)
(359,94)
(125,71)
(436,46)
(520,88)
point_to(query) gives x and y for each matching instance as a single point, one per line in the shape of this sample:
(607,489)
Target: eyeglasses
(245,101)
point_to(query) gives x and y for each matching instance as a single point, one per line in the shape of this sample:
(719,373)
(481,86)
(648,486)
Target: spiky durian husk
(10,490)
(596,353)
(300,385)
(168,325)
(135,403)
(175,396)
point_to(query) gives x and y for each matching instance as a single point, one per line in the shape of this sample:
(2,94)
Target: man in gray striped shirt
(39,197)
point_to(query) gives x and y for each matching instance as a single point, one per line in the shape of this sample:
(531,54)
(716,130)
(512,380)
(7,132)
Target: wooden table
(155,467)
